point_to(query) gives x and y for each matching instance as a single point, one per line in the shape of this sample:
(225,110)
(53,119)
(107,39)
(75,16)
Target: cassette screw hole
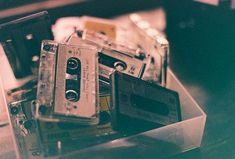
(14,110)
(42,109)
(43,56)
(46,47)
(21,122)
(27,124)
(43,85)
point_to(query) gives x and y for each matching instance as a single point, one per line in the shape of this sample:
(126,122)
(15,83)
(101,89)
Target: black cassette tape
(68,83)
(21,41)
(135,101)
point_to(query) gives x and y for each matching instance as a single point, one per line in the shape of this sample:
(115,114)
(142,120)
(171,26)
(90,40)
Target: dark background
(202,41)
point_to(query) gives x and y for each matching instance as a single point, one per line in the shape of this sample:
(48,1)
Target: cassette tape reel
(111,60)
(136,100)
(67,85)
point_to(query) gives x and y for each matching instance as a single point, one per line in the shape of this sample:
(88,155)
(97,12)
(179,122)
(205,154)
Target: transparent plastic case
(161,142)
(68,83)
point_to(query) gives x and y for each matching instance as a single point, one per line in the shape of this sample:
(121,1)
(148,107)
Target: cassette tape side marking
(90,79)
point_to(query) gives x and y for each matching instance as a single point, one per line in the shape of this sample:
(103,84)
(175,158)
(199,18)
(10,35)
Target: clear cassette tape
(127,39)
(155,44)
(113,56)
(68,83)
(25,129)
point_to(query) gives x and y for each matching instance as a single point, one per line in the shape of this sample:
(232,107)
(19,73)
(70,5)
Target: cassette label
(76,83)
(101,26)
(68,78)
(139,99)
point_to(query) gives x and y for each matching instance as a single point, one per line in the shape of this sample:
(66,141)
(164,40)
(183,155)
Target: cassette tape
(155,44)
(24,129)
(73,136)
(134,100)
(113,56)
(40,138)
(21,41)
(68,83)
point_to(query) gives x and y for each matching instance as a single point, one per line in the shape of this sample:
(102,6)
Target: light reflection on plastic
(121,143)
(233,4)
(212,2)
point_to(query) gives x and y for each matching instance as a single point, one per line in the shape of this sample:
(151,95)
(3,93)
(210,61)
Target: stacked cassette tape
(68,83)
(90,87)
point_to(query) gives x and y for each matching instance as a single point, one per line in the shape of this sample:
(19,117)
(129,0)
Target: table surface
(202,56)
(202,41)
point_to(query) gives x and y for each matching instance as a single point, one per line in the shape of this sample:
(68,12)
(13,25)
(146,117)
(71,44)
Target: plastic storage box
(161,142)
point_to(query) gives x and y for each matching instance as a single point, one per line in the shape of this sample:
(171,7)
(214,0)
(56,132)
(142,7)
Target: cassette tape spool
(136,100)
(111,60)
(67,85)
(21,41)
(24,129)
(156,45)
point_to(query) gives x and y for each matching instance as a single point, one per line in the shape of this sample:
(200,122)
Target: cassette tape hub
(21,40)
(68,83)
